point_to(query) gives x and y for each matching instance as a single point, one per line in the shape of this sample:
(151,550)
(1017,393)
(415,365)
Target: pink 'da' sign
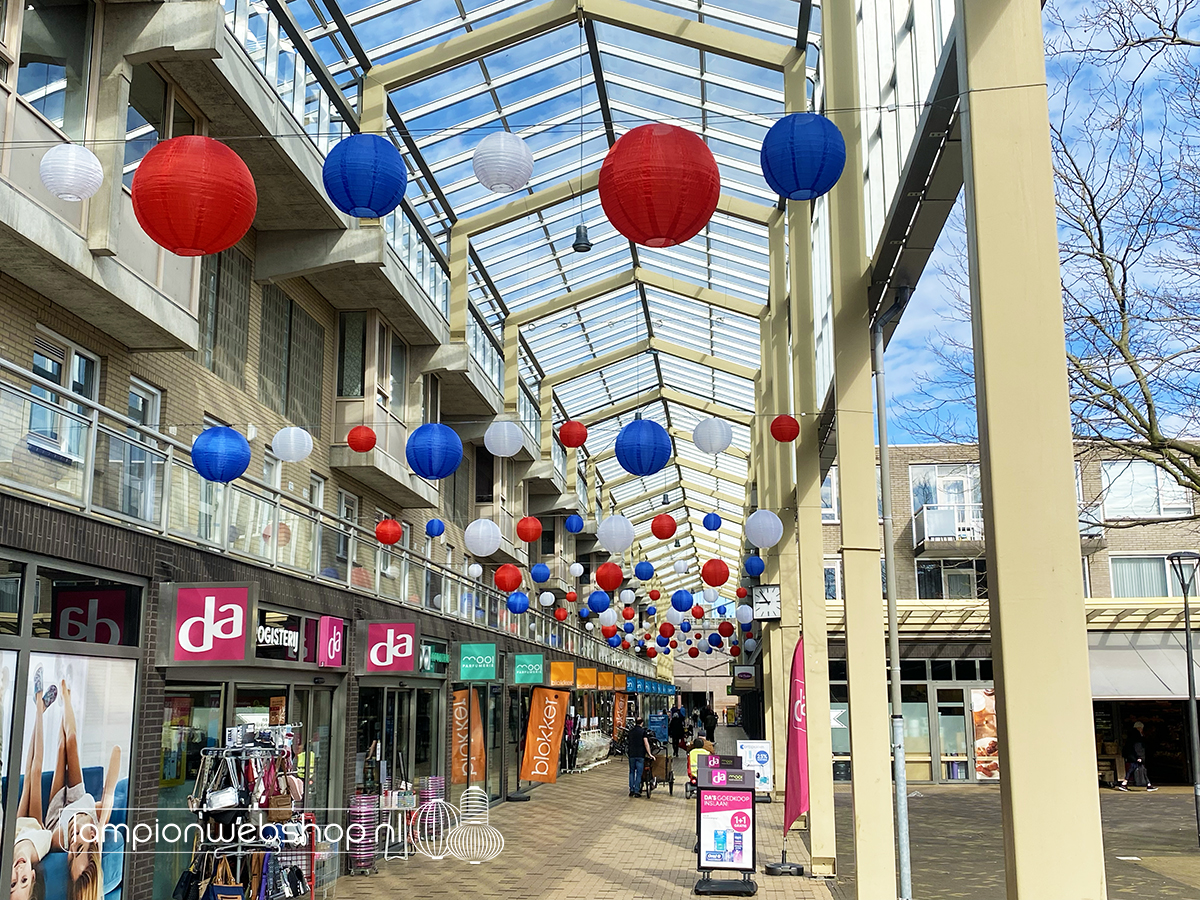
(390,646)
(210,624)
(330,638)
(93,617)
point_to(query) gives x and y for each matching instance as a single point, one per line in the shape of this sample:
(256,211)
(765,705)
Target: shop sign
(527,668)
(585,679)
(389,646)
(331,641)
(619,682)
(211,624)
(434,658)
(91,616)
(725,824)
(476,662)
(604,681)
(744,678)
(277,636)
(543,737)
(562,674)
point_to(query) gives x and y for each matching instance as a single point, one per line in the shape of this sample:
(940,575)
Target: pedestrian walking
(637,748)
(709,718)
(675,731)
(1137,750)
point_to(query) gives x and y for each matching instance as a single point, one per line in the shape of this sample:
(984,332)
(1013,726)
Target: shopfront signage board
(756,756)
(725,825)
(95,615)
(619,682)
(476,662)
(208,624)
(528,668)
(562,674)
(331,641)
(388,647)
(585,679)
(720,778)
(604,681)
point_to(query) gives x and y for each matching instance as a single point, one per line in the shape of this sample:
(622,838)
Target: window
(155,113)
(547,537)
(75,369)
(291,359)
(352,353)
(348,513)
(951,579)
(485,475)
(391,362)
(833,579)
(1137,489)
(953,485)
(272,470)
(431,400)
(830,505)
(139,470)
(225,315)
(316,491)
(56,52)
(1144,576)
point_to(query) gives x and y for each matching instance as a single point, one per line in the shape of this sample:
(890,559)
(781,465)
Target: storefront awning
(1143,664)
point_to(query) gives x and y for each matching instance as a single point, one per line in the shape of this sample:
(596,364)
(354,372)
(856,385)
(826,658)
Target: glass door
(495,740)
(918,756)
(518,722)
(952,735)
(427,733)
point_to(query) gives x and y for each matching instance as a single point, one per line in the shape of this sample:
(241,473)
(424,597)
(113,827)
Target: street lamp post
(1184,563)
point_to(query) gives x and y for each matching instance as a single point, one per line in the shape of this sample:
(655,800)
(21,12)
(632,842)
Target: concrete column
(112,104)
(459,257)
(1052,837)
(512,369)
(870,737)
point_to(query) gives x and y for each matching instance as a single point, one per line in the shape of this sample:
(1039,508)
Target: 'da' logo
(329,641)
(390,647)
(212,624)
(75,623)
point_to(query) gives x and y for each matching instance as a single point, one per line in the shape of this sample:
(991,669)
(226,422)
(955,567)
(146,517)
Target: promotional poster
(466,738)
(756,756)
(543,740)
(726,830)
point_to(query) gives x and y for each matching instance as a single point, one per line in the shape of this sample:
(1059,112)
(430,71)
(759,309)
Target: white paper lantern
(628,597)
(482,537)
(503,439)
(615,534)
(745,613)
(475,570)
(71,172)
(680,567)
(546,598)
(292,444)
(576,570)
(608,617)
(589,626)
(674,616)
(712,436)
(711,594)
(502,162)
(750,644)
(763,529)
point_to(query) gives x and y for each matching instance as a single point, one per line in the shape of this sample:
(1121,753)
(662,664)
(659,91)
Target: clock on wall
(768,603)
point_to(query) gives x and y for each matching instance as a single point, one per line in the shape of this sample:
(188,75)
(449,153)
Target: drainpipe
(889,564)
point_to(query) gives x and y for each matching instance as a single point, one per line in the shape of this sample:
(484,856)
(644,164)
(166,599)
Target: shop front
(477,721)
(562,677)
(236,662)
(528,670)
(70,645)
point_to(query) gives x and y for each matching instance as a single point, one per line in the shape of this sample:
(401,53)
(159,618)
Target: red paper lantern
(715,572)
(663,526)
(674,643)
(646,636)
(361,439)
(194,196)
(560,614)
(654,595)
(624,645)
(507,578)
(651,653)
(725,629)
(735,650)
(785,429)
(693,652)
(388,531)
(659,185)
(572,433)
(698,611)
(741,593)
(608,631)
(628,612)
(572,596)
(666,629)
(609,576)
(529,529)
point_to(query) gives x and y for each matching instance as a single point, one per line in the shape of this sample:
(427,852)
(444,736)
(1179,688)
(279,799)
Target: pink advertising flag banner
(389,646)
(330,641)
(795,798)
(211,623)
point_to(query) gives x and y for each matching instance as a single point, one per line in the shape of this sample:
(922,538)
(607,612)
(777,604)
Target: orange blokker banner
(585,679)
(604,681)
(466,735)
(619,682)
(543,738)
(620,713)
(562,674)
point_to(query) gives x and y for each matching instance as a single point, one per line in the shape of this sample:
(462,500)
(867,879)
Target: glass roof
(569,93)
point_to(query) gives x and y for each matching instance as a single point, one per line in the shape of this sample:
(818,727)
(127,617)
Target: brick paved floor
(584,837)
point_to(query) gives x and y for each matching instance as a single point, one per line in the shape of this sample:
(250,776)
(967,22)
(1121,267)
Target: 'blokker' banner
(466,735)
(620,713)
(543,739)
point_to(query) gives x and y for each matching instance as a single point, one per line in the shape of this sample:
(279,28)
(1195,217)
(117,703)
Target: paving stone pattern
(584,837)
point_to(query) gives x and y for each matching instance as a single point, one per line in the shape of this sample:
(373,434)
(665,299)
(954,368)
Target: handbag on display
(223,885)
(277,803)
(188,885)
(226,805)
(294,883)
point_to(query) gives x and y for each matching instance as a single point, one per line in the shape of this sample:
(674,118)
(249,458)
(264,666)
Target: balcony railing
(65,449)
(529,410)
(581,489)
(558,456)
(484,351)
(948,522)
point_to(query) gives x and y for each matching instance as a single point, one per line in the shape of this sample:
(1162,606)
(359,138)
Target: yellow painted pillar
(1052,837)
(458,258)
(512,370)
(870,737)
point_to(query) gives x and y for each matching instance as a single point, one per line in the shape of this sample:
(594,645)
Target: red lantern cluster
(194,196)
(388,531)
(361,439)
(561,614)
(785,429)
(529,529)
(609,576)
(659,185)
(698,611)
(715,572)
(572,433)
(663,526)
(507,578)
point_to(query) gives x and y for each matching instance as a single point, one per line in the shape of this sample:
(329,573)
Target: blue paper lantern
(641,643)
(220,454)
(714,640)
(747,626)
(435,528)
(754,566)
(662,641)
(666,651)
(434,451)
(364,176)
(720,610)
(629,628)
(518,602)
(614,641)
(803,156)
(584,612)
(643,447)
(685,626)
(681,601)
(644,570)
(540,573)
(707,649)
(599,601)
(574,524)
(330,572)
(712,522)
(652,610)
